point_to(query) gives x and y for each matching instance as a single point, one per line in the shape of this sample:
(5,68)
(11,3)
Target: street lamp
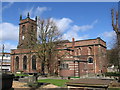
(2,57)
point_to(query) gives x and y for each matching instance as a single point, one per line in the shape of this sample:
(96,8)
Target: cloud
(9,32)
(84,28)
(96,21)
(35,11)
(109,37)
(76,29)
(7,6)
(66,26)
(40,10)
(110,34)
(66,23)
(9,35)
(73,34)
(62,24)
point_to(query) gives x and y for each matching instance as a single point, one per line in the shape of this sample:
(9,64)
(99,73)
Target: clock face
(23,37)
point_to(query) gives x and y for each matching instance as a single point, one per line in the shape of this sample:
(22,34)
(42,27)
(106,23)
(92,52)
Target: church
(81,57)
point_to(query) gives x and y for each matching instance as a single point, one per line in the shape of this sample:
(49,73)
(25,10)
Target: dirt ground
(17,84)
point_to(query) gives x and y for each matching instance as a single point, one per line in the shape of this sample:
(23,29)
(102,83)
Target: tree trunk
(43,66)
(42,70)
(118,38)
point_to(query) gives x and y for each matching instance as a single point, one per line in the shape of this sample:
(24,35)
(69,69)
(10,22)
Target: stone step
(28,79)
(23,79)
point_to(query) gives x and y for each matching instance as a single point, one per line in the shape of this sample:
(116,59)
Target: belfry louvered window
(23,29)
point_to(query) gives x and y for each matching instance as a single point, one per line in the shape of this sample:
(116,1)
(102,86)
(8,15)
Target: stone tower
(27,32)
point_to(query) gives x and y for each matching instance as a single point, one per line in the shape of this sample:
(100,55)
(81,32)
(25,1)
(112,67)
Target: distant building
(6,61)
(80,57)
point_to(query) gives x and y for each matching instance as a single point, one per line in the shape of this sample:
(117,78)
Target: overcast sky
(81,20)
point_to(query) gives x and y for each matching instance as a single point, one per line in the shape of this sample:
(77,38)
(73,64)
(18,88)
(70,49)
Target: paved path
(50,86)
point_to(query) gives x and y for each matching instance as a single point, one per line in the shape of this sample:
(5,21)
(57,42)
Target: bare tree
(112,57)
(116,28)
(48,38)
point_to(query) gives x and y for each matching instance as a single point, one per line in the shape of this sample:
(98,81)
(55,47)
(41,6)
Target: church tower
(27,32)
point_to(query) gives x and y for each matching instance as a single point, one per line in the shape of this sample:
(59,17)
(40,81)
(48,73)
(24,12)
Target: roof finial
(28,15)
(36,18)
(20,17)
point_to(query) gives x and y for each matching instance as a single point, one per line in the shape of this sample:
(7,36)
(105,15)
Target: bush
(112,74)
(74,77)
(21,75)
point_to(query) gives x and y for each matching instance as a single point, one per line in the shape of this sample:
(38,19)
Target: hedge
(112,74)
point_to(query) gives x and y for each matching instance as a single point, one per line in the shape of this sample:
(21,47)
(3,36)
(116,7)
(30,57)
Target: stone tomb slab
(89,83)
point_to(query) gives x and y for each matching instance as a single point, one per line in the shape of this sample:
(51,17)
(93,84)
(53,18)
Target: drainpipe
(73,43)
(94,59)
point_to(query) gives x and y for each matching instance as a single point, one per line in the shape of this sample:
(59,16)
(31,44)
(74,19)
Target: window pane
(24,63)
(34,62)
(90,60)
(64,66)
(17,63)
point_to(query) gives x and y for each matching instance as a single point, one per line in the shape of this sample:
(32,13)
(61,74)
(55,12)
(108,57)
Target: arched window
(89,50)
(34,62)
(24,63)
(23,29)
(90,60)
(76,52)
(17,63)
(79,51)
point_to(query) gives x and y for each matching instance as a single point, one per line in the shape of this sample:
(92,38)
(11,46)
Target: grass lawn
(113,88)
(21,75)
(57,82)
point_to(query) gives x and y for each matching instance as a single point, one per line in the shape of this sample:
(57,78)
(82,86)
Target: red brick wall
(21,53)
(27,23)
(98,53)
(66,73)
(99,59)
